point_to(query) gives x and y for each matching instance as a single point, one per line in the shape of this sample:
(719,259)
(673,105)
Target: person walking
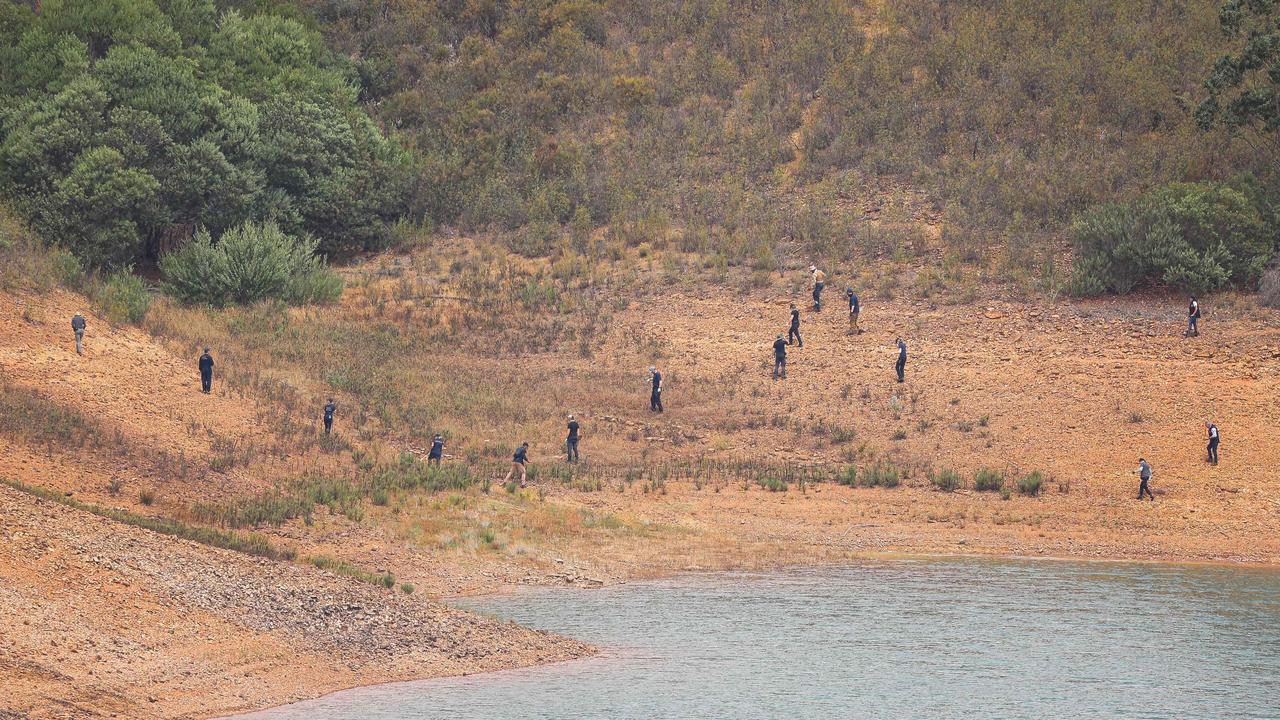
(1144,477)
(1193,319)
(793,333)
(819,282)
(1213,442)
(77,327)
(518,462)
(571,443)
(780,358)
(854,309)
(901,365)
(437,450)
(655,397)
(206,372)
(329,409)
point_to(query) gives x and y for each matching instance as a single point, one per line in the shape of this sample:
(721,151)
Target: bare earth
(101,619)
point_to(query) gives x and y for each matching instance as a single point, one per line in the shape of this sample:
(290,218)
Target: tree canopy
(128,124)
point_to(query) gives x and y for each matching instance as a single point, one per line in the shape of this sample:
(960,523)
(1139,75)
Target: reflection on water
(900,639)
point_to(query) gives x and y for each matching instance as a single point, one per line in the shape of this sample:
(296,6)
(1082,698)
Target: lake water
(963,638)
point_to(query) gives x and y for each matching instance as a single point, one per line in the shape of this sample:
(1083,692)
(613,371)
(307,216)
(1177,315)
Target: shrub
(123,298)
(880,475)
(249,263)
(1195,236)
(988,480)
(945,479)
(1030,485)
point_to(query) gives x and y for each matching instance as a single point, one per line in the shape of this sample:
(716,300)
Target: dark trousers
(1193,329)
(79,340)
(901,368)
(793,335)
(572,445)
(206,381)
(779,367)
(1213,451)
(328,425)
(655,401)
(433,459)
(817,295)
(1142,488)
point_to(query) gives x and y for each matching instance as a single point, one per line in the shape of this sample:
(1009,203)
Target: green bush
(249,263)
(946,479)
(988,480)
(1197,237)
(123,298)
(1030,485)
(880,475)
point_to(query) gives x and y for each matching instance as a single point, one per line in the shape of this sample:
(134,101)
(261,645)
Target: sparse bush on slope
(249,263)
(1197,237)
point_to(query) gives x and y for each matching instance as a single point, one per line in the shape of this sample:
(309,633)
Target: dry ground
(97,617)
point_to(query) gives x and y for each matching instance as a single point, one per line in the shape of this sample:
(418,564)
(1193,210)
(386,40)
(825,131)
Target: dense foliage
(127,124)
(1244,88)
(249,263)
(728,125)
(1195,236)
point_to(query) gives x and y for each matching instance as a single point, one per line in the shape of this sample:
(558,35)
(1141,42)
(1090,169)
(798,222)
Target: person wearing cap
(518,461)
(329,409)
(1144,477)
(780,358)
(1212,428)
(571,443)
(819,282)
(655,397)
(77,326)
(854,309)
(793,332)
(901,366)
(206,372)
(437,450)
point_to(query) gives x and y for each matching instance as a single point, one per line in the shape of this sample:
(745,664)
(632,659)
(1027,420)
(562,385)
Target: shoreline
(605,653)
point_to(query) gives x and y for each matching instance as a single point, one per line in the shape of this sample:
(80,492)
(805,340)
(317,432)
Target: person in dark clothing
(329,409)
(793,334)
(901,365)
(571,443)
(854,309)
(206,372)
(518,462)
(1213,442)
(437,450)
(77,326)
(1144,477)
(780,358)
(1193,319)
(655,397)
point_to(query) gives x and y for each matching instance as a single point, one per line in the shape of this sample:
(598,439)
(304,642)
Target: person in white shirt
(1213,442)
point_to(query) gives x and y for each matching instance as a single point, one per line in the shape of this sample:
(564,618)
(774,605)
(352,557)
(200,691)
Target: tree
(1244,87)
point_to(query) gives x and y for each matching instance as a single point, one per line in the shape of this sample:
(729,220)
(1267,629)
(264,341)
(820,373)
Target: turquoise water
(893,639)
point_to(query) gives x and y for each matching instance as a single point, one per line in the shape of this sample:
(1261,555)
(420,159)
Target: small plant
(880,475)
(946,480)
(123,298)
(988,480)
(964,426)
(1030,485)
(407,588)
(984,421)
(1135,418)
(146,497)
(899,434)
(115,486)
(848,476)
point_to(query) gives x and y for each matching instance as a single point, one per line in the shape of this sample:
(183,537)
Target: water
(894,639)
